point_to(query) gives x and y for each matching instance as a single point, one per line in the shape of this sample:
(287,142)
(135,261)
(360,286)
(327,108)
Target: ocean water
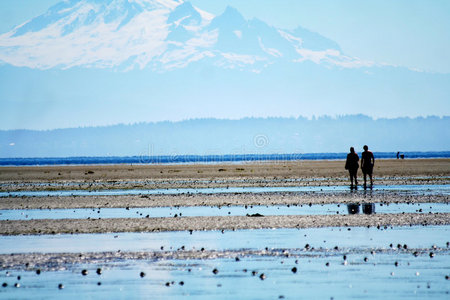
(205,159)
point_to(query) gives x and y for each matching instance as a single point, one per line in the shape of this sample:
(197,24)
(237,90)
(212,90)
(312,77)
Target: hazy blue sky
(411,33)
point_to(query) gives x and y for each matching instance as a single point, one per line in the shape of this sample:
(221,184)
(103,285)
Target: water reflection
(367,208)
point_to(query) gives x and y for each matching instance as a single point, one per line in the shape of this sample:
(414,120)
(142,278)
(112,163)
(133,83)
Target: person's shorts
(367,170)
(353,171)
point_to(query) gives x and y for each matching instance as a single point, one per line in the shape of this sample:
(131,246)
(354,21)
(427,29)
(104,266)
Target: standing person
(367,163)
(352,166)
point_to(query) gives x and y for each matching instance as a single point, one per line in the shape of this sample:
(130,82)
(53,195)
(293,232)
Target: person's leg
(365,178)
(351,177)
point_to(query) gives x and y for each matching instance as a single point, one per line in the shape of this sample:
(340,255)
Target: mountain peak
(185,13)
(231,18)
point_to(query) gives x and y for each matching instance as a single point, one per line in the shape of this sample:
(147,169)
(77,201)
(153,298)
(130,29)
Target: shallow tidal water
(372,269)
(199,211)
(442,189)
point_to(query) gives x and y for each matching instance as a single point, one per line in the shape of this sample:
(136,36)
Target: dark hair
(352,150)
(365,147)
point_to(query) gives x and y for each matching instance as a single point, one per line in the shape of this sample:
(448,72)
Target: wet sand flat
(215,223)
(212,200)
(261,174)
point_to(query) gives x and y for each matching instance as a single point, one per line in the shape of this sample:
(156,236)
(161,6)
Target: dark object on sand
(353,208)
(255,215)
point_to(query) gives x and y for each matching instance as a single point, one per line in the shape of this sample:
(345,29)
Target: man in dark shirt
(352,166)
(367,163)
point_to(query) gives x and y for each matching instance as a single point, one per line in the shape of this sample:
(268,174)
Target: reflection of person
(367,163)
(352,166)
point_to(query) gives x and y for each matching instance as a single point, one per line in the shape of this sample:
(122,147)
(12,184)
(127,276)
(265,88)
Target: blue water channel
(199,211)
(442,189)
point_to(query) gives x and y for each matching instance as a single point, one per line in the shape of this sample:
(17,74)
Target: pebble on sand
(60,286)
(142,274)
(84,272)
(215,271)
(99,271)
(294,270)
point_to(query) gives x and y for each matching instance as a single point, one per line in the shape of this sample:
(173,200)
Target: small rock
(215,271)
(262,276)
(4,284)
(38,271)
(181,283)
(84,272)
(17,285)
(99,271)
(431,254)
(60,286)
(142,274)
(167,283)
(294,270)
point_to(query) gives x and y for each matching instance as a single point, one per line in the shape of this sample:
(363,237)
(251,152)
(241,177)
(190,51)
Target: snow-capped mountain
(160,35)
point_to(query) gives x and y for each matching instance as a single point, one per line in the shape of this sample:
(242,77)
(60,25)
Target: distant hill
(249,135)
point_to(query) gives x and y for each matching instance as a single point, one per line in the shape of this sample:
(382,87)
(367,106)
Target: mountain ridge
(248,135)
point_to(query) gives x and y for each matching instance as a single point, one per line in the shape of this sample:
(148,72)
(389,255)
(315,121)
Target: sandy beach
(277,173)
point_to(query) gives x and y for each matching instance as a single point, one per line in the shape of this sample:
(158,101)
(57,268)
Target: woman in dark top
(367,163)
(352,166)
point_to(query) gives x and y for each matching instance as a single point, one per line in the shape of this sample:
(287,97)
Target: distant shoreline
(205,159)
